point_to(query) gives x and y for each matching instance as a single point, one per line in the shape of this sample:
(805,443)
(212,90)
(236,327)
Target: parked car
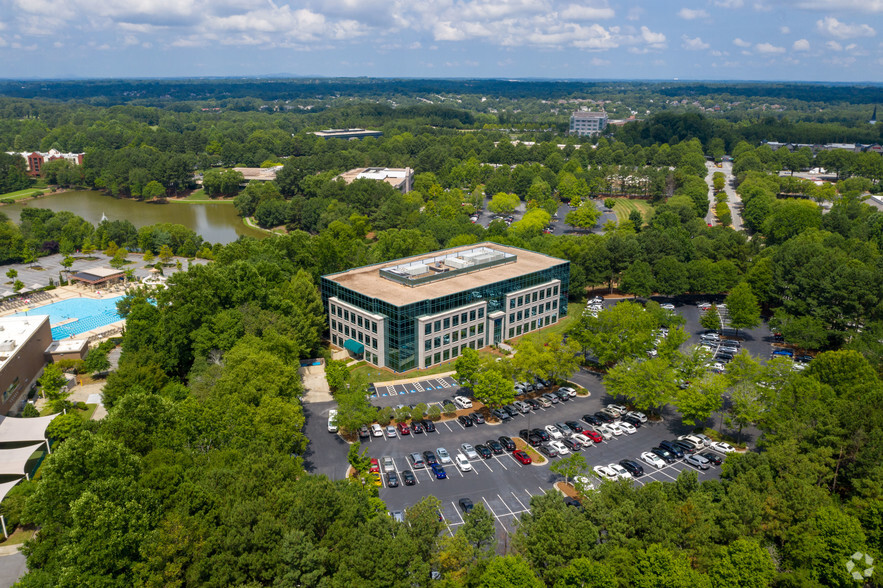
(462,402)
(392,480)
(783,353)
(722,447)
(332,420)
(477,418)
(677,450)
(582,440)
(561,395)
(627,427)
(604,432)
(605,473)
(706,440)
(484,451)
(494,446)
(416,427)
(523,407)
(664,454)
(570,391)
(699,443)
(375,465)
(697,461)
(551,398)
(543,401)
(651,458)
(429,458)
(511,410)
(443,456)
(469,451)
(667,306)
(465,420)
(463,463)
(390,431)
(500,414)
(403,429)
(572,444)
(376,430)
(592,419)
(466,505)
(428,426)
(710,337)
(604,417)
(408,478)
(687,447)
(560,447)
(713,458)
(565,430)
(640,416)
(618,409)
(547,451)
(542,434)
(522,457)
(507,443)
(621,472)
(417,461)
(553,432)
(595,436)
(633,467)
(533,403)
(363,432)
(438,471)
(387,464)
(614,428)
(631,420)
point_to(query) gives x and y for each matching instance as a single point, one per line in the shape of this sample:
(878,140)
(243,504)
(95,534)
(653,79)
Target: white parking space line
(457,510)
(518,501)
(450,430)
(484,461)
(418,387)
(496,457)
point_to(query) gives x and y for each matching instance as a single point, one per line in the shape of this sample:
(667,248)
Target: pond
(216,222)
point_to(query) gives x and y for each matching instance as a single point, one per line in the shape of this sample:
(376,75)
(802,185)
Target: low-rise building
(36,159)
(424,310)
(347,133)
(23,341)
(399,178)
(585,123)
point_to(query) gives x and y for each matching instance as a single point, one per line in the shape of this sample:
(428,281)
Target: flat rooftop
(394,176)
(330,133)
(260,174)
(15,332)
(368,280)
(67,346)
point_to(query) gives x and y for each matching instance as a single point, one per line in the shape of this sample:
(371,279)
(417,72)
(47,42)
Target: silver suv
(417,460)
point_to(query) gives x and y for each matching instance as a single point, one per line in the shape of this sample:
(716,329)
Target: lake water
(216,222)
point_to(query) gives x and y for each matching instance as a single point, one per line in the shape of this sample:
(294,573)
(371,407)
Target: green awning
(354,346)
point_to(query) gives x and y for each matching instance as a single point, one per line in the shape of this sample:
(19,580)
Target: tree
(744,564)
(509,571)
(480,530)
(701,398)
(166,254)
(585,216)
(119,258)
(52,381)
(359,460)
(152,190)
(466,366)
(561,359)
(494,389)
(502,203)
(587,573)
(742,307)
(12,274)
(96,361)
(671,276)
(65,426)
(18,285)
(637,279)
(746,407)
(617,333)
(710,319)
(148,256)
(647,384)
(570,466)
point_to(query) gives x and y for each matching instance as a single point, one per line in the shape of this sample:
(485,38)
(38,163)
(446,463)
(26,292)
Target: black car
(686,447)
(495,446)
(524,434)
(429,426)
(466,505)
(633,421)
(392,480)
(562,395)
(541,433)
(604,417)
(803,358)
(570,501)
(677,450)
(723,356)
(429,458)
(408,478)
(571,444)
(534,405)
(477,418)
(483,451)
(632,467)
(465,420)
(507,443)
(574,426)
(592,420)
(714,458)
(663,454)
(416,427)
(535,440)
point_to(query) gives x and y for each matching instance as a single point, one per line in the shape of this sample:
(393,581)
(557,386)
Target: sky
(789,40)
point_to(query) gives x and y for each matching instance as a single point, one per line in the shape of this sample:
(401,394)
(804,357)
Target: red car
(593,435)
(403,429)
(521,456)
(375,465)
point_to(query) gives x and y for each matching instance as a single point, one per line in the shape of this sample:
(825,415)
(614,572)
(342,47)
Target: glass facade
(401,321)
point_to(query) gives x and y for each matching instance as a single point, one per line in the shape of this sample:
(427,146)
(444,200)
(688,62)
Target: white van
(332,420)
(462,402)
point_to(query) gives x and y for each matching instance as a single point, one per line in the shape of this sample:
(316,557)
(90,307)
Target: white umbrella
(36,286)
(8,293)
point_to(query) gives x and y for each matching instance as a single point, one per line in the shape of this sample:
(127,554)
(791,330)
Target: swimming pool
(87,313)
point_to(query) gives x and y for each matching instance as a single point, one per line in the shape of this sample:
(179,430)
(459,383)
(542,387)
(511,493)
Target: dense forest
(196,476)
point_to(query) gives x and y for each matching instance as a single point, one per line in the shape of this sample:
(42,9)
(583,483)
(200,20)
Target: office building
(36,159)
(585,123)
(347,133)
(424,310)
(23,341)
(399,178)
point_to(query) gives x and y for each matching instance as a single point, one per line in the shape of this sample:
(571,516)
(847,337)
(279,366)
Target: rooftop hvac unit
(8,345)
(458,263)
(416,270)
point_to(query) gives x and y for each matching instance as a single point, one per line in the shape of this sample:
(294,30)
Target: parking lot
(500,483)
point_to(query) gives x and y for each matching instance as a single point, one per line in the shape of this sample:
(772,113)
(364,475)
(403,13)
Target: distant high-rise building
(585,123)
(873,120)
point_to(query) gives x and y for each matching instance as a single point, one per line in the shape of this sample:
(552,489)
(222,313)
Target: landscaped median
(535,457)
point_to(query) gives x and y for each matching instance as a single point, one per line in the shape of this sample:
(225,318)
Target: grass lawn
(19,536)
(19,194)
(199,196)
(623,207)
(374,374)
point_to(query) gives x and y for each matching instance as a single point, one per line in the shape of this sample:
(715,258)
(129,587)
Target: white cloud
(696,44)
(834,28)
(768,48)
(800,45)
(842,5)
(635,13)
(740,43)
(656,40)
(784,30)
(578,12)
(834,46)
(730,3)
(689,14)
(598,62)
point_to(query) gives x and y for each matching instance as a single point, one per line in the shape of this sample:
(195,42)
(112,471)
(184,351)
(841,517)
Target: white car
(704,305)
(692,439)
(652,353)
(553,432)
(376,430)
(615,429)
(722,447)
(638,415)
(463,463)
(596,300)
(705,439)
(582,439)
(627,427)
(583,484)
(667,306)
(469,451)
(621,472)
(652,459)
(620,410)
(560,447)
(443,456)
(605,473)
(332,421)
(570,391)
(603,431)
(462,402)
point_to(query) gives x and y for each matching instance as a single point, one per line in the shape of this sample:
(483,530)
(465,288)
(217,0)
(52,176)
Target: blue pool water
(90,314)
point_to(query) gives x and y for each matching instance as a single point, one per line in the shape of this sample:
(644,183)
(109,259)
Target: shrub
(434,412)
(30,411)
(8,201)
(384,415)
(450,410)
(609,202)
(419,411)
(403,414)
